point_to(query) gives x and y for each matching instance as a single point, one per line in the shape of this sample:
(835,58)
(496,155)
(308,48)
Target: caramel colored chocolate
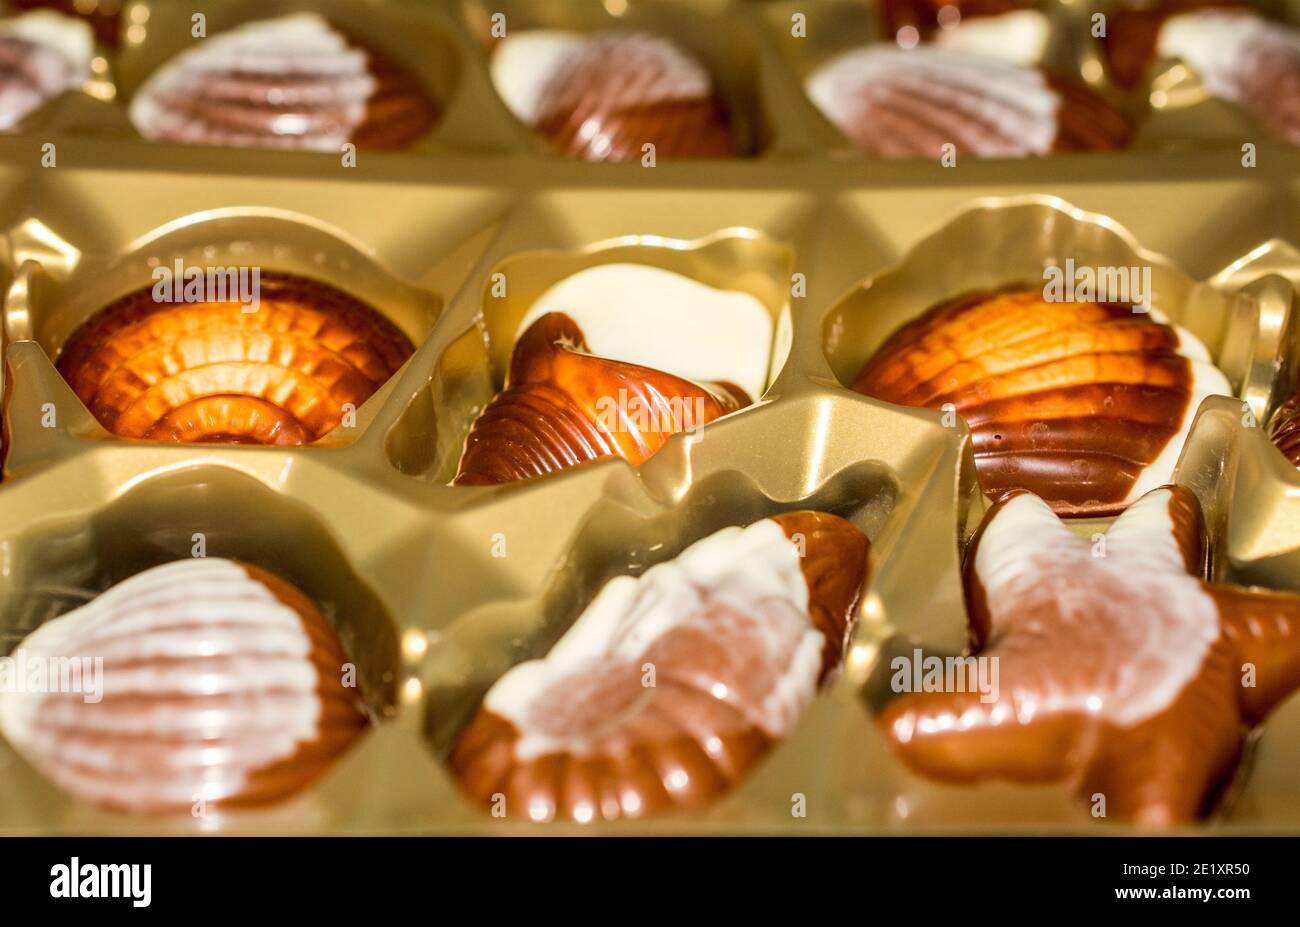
(1122,673)
(292,82)
(1284,429)
(623,90)
(220,684)
(1074,401)
(737,632)
(283,373)
(562,407)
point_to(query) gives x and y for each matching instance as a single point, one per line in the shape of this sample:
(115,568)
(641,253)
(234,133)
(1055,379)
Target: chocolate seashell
(1284,429)
(42,55)
(739,630)
(1131,40)
(291,82)
(601,98)
(218,683)
(1120,672)
(909,103)
(1085,404)
(211,371)
(103,16)
(562,406)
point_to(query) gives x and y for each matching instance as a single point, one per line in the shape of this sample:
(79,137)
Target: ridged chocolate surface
(897,103)
(621,90)
(1120,670)
(291,82)
(739,631)
(34,69)
(1070,400)
(562,407)
(1284,429)
(220,684)
(210,371)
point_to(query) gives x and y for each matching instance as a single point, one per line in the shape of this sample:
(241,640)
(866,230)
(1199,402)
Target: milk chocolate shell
(291,82)
(1284,429)
(217,683)
(910,103)
(602,97)
(42,55)
(563,406)
(1120,672)
(1086,404)
(210,371)
(671,686)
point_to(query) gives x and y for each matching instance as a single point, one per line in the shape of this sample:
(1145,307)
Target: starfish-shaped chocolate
(1121,671)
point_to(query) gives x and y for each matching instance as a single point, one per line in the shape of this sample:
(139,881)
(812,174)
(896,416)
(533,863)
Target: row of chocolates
(975,82)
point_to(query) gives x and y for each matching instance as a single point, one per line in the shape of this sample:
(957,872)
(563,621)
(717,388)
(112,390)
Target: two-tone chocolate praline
(42,55)
(670,687)
(291,82)
(201,682)
(607,95)
(1121,673)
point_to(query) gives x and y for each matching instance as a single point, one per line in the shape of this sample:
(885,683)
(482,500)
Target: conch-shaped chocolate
(284,370)
(1121,673)
(198,682)
(291,82)
(1086,404)
(1284,429)
(911,103)
(603,97)
(43,54)
(671,686)
(562,406)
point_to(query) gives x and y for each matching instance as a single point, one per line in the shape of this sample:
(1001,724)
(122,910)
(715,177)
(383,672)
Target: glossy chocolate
(912,103)
(1122,673)
(219,684)
(562,406)
(612,93)
(42,55)
(738,632)
(291,82)
(285,373)
(1284,429)
(1085,404)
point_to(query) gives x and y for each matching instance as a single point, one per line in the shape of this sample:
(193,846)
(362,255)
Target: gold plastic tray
(838,247)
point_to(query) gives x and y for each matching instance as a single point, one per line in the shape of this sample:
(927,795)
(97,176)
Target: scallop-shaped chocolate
(283,369)
(1284,429)
(42,55)
(1085,404)
(1243,58)
(199,681)
(603,97)
(291,82)
(910,103)
(563,406)
(671,686)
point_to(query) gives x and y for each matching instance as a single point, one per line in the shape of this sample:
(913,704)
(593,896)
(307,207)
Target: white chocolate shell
(42,54)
